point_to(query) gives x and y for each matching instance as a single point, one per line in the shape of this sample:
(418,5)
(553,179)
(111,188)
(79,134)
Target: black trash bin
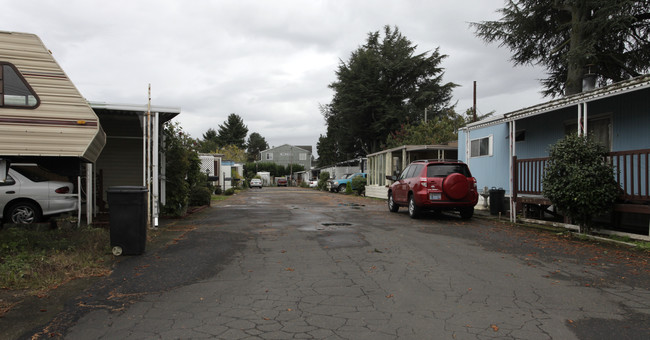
(128,219)
(496,201)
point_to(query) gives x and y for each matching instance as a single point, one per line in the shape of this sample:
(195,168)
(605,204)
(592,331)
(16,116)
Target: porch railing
(631,174)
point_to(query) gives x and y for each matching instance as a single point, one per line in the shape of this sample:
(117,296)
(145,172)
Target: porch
(631,214)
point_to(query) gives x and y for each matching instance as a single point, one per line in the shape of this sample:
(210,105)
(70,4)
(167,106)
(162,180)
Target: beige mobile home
(42,114)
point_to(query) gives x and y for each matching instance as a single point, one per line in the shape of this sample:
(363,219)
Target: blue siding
(630,130)
(490,171)
(542,131)
(631,122)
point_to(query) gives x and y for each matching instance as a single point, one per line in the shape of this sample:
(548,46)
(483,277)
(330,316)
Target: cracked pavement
(292,263)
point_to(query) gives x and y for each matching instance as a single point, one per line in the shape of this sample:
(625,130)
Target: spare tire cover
(455,186)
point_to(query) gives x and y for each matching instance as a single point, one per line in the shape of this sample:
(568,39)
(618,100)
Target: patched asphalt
(292,263)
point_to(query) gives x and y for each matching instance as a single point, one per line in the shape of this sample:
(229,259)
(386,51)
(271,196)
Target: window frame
(24,82)
(489,148)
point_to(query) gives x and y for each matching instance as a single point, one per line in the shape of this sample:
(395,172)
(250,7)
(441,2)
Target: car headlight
(335,183)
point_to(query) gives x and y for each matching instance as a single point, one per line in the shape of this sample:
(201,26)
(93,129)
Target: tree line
(381,93)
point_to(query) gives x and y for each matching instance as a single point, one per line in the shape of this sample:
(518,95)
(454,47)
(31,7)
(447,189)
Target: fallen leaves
(289,269)
(494,328)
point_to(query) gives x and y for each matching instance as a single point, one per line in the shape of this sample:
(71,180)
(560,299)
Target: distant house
(288,154)
(511,152)
(343,168)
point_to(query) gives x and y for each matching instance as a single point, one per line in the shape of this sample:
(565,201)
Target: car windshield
(444,170)
(37,174)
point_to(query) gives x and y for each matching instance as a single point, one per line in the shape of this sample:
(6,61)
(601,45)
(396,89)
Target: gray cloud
(269,61)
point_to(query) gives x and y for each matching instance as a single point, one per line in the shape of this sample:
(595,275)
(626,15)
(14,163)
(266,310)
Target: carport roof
(166,113)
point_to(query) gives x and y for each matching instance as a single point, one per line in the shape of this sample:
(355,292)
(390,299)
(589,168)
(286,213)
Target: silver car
(256,182)
(31,192)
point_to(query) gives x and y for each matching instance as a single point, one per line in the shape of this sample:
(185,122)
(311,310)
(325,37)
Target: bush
(218,191)
(229,192)
(579,181)
(348,188)
(323,177)
(200,196)
(359,185)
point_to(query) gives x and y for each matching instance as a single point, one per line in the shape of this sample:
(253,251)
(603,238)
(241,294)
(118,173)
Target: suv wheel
(414,211)
(466,213)
(392,207)
(341,188)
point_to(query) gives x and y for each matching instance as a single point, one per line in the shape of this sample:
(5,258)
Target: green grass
(217,198)
(38,260)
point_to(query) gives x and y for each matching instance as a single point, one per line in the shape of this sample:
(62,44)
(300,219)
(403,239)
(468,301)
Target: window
(481,147)
(14,90)
(269,156)
(405,172)
(444,170)
(303,156)
(598,129)
(415,170)
(9,181)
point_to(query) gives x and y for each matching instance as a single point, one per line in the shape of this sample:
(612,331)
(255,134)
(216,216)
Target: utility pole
(474,107)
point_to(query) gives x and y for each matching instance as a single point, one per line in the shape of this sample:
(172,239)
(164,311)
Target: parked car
(256,182)
(31,193)
(334,187)
(313,183)
(282,182)
(434,185)
(340,184)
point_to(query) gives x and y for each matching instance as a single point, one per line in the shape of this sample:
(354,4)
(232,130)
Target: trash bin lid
(127,188)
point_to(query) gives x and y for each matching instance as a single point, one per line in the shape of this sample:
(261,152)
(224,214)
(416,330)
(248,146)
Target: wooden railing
(529,174)
(631,174)
(631,168)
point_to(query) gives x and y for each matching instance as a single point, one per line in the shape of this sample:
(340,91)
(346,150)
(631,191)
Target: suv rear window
(444,170)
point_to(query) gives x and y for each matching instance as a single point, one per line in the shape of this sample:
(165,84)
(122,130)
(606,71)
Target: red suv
(434,185)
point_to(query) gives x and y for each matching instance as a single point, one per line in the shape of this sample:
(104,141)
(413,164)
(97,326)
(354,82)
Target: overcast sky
(270,62)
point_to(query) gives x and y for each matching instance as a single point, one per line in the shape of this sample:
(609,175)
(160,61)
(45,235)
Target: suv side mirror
(391,178)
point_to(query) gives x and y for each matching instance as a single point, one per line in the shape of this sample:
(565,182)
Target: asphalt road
(291,263)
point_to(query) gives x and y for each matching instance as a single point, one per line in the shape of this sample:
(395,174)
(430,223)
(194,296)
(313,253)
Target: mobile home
(42,114)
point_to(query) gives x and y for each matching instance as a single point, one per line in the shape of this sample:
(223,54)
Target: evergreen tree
(232,132)
(255,144)
(383,85)
(609,38)
(209,142)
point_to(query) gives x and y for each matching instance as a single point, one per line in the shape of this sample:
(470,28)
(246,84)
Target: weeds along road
(287,263)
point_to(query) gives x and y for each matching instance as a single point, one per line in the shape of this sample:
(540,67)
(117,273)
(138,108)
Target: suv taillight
(423,181)
(62,190)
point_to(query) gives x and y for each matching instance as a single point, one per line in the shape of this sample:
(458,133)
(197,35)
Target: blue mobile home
(510,151)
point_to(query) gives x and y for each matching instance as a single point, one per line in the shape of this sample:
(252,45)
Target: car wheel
(414,211)
(341,188)
(466,213)
(392,206)
(24,213)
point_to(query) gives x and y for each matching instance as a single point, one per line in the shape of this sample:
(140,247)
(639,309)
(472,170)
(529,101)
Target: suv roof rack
(438,160)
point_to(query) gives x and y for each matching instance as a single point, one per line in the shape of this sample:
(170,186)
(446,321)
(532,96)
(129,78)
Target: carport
(393,161)
(132,155)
